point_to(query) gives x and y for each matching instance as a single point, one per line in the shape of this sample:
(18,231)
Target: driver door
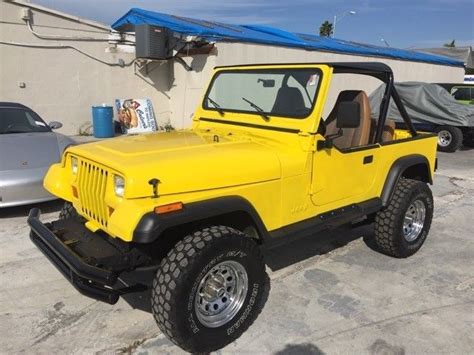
(345,173)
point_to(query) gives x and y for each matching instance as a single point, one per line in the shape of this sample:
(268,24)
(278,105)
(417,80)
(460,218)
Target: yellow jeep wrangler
(185,215)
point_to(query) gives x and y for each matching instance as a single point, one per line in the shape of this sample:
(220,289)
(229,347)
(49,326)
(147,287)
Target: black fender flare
(396,171)
(152,225)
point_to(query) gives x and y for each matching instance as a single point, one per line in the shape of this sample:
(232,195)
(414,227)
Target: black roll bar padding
(384,107)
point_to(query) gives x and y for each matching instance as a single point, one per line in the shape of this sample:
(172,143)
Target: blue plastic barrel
(103,121)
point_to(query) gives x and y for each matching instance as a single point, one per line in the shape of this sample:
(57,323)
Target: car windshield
(266,92)
(19,120)
(461,93)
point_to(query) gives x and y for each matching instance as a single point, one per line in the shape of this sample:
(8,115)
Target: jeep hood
(183,161)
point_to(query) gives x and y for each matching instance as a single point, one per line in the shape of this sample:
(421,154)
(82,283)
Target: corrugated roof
(460,53)
(217,31)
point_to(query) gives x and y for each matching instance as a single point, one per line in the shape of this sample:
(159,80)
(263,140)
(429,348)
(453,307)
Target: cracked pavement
(335,295)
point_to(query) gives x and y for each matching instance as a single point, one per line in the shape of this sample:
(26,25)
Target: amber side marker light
(172,207)
(74,192)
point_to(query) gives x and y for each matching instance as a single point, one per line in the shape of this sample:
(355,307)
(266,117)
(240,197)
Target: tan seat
(388,130)
(351,137)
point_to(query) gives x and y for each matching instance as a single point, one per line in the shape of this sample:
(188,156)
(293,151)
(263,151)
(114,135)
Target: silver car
(27,148)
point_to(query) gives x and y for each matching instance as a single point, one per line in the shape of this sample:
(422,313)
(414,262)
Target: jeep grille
(92,183)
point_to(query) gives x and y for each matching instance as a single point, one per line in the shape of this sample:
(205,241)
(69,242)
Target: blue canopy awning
(217,31)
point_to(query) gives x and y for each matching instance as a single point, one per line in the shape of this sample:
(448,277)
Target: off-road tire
(456,138)
(68,211)
(389,235)
(178,278)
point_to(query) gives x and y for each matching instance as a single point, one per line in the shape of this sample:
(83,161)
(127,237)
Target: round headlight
(119,185)
(74,165)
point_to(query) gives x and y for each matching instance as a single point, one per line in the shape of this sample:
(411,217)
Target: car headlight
(74,165)
(119,185)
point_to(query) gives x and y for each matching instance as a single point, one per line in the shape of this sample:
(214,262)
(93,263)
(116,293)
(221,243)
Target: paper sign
(136,115)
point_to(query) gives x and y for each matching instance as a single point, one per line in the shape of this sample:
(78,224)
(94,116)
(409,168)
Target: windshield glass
(18,120)
(461,93)
(267,92)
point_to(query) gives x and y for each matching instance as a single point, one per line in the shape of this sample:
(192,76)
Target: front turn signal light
(74,192)
(172,207)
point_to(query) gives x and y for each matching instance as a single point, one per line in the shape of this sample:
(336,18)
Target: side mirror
(55,125)
(348,115)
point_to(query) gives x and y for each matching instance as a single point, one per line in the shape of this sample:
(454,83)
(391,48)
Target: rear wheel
(209,289)
(449,138)
(402,227)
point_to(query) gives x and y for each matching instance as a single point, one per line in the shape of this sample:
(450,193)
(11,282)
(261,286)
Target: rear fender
(415,167)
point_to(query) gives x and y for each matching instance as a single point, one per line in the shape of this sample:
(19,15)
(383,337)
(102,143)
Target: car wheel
(449,138)
(402,227)
(68,211)
(209,289)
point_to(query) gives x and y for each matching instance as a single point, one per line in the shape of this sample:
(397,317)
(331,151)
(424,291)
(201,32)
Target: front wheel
(209,289)
(449,138)
(68,211)
(401,228)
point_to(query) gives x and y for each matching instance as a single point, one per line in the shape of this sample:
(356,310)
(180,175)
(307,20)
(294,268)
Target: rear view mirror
(55,125)
(348,114)
(267,83)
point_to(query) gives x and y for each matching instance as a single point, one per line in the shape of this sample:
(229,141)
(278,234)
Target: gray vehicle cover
(425,103)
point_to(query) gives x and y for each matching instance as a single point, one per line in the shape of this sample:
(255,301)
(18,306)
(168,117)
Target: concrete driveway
(330,297)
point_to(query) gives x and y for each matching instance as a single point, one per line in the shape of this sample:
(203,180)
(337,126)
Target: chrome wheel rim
(221,294)
(414,220)
(444,138)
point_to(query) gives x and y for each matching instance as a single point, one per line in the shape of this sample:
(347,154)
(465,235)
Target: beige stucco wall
(62,84)
(188,86)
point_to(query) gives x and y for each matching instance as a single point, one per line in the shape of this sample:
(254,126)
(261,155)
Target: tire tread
(386,221)
(68,211)
(181,257)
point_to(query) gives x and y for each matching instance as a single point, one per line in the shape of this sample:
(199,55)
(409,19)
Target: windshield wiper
(216,105)
(257,108)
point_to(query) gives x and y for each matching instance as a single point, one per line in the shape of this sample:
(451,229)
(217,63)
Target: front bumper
(87,260)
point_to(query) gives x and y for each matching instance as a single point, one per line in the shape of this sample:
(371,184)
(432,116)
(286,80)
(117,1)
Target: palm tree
(326,29)
(451,44)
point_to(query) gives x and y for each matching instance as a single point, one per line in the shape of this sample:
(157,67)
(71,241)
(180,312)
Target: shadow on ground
(464,147)
(287,255)
(22,211)
(300,349)
(319,244)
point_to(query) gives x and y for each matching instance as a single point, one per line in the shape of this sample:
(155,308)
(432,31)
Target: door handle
(368,159)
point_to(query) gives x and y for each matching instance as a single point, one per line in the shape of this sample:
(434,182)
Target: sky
(402,23)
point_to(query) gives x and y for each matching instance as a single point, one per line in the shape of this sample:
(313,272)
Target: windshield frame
(35,117)
(251,111)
